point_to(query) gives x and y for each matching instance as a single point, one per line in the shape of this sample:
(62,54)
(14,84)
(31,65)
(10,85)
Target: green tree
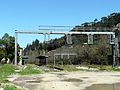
(7,44)
(2,54)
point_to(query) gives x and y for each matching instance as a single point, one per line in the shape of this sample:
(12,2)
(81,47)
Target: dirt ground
(64,80)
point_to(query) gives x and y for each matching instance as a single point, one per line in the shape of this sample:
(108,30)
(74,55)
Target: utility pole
(15,48)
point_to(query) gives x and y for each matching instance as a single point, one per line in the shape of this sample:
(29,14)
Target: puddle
(24,78)
(72,80)
(85,77)
(62,74)
(115,75)
(75,81)
(115,86)
(33,81)
(38,78)
(33,87)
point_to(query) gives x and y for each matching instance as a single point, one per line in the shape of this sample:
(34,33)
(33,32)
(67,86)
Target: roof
(42,57)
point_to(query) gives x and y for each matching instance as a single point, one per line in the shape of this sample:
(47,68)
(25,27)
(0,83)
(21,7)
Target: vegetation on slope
(90,54)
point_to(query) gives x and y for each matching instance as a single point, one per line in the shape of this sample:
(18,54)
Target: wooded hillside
(89,54)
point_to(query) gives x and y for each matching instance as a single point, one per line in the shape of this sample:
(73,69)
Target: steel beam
(46,32)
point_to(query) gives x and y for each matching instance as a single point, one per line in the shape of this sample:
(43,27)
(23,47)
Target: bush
(5,71)
(8,69)
(116,69)
(7,87)
(30,70)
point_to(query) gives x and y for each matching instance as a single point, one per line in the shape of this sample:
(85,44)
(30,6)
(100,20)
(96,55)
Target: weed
(30,70)
(5,71)
(8,87)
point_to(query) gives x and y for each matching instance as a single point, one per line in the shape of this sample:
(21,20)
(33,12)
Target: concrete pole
(15,48)
(48,37)
(44,51)
(21,55)
(114,59)
(54,60)
(61,56)
(90,39)
(69,38)
(46,61)
(68,56)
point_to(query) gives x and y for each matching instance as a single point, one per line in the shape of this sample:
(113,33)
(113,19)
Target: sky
(30,14)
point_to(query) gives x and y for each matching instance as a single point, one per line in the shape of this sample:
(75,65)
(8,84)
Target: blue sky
(29,14)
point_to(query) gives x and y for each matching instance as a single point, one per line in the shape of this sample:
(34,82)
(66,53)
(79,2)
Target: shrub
(5,71)
(30,70)
(116,69)
(8,87)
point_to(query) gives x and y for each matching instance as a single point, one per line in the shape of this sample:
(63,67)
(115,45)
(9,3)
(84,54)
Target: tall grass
(116,69)
(8,87)
(5,71)
(30,70)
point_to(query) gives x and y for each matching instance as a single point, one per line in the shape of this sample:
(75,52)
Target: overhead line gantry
(48,31)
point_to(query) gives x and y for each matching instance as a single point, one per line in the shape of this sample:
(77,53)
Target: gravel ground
(64,80)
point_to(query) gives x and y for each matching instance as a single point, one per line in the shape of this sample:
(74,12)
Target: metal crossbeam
(92,28)
(57,32)
(65,54)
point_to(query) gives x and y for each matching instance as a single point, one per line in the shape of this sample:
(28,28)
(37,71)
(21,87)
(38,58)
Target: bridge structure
(90,32)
